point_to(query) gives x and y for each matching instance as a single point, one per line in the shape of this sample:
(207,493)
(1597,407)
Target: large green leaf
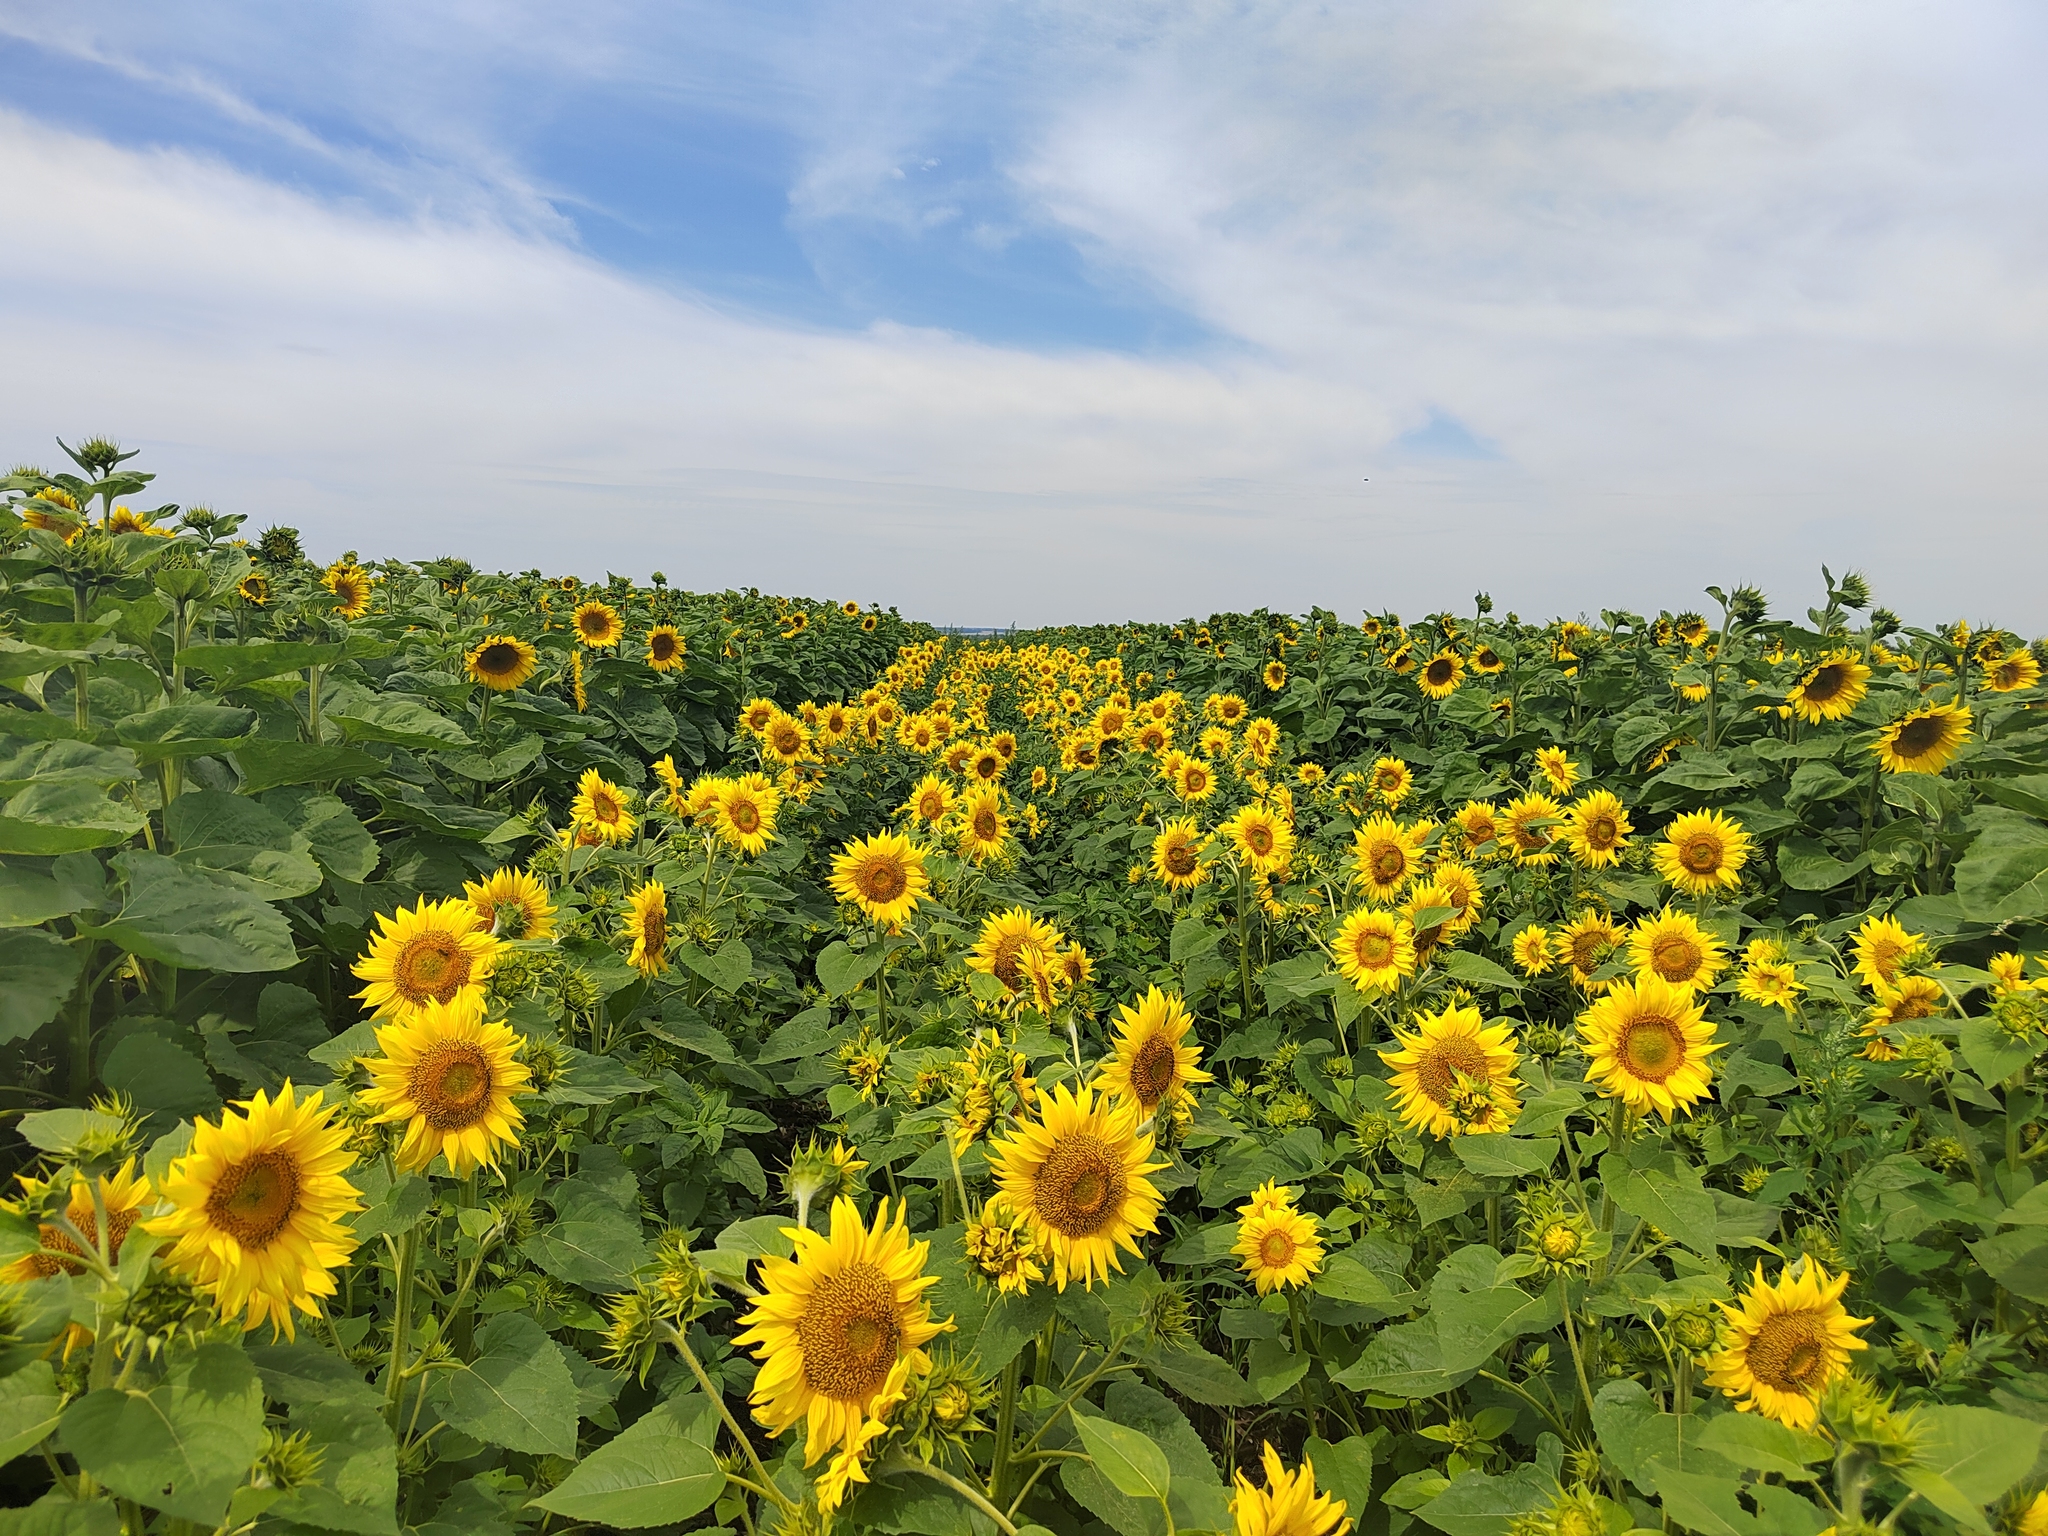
(57,1514)
(1669,1196)
(66,816)
(231,666)
(595,1245)
(517,1393)
(185,730)
(41,972)
(2004,873)
(186,919)
(30,1404)
(357,1486)
(30,895)
(1478,1505)
(23,763)
(240,843)
(401,719)
(338,839)
(182,1447)
(160,1077)
(654,1473)
(1980,1452)
(1134,1465)
(268,764)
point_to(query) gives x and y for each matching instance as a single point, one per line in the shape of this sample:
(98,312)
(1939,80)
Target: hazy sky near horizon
(1047,311)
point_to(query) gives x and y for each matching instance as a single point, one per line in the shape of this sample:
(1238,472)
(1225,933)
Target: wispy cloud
(1606,303)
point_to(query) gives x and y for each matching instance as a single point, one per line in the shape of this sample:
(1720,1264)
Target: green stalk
(401,1323)
(1006,1423)
(81,706)
(1571,1334)
(782,1500)
(1244,946)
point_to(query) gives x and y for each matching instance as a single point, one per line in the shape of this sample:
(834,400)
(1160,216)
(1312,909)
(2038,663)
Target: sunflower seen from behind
(1784,1342)
(1702,853)
(259,1204)
(1078,1174)
(450,1077)
(1454,1073)
(1152,1060)
(832,1323)
(884,876)
(432,953)
(1648,1043)
(500,662)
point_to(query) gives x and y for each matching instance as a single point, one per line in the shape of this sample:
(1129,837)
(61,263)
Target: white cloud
(1728,294)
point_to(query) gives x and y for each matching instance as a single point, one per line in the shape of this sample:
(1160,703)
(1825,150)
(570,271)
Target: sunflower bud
(1925,1058)
(1862,1416)
(1747,605)
(280,545)
(632,1332)
(287,1461)
(1695,1330)
(1853,590)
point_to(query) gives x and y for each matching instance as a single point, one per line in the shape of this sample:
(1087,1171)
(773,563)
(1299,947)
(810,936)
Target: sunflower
(1829,689)
(1479,823)
(1262,740)
(1556,769)
(1915,997)
(576,689)
(1005,743)
(1374,949)
(258,1208)
(999,950)
(985,765)
(1262,839)
(2013,673)
(1441,674)
(1152,738)
(756,714)
(786,739)
(1648,1042)
(930,801)
(1151,1060)
(1772,983)
(1278,1247)
(254,589)
(883,875)
(1177,855)
(1078,1174)
(666,648)
(432,953)
(597,624)
(984,829)
(1923,741)
(350,584)
(1111,721)
(603,809)
(1226,709)
(1523,829)
(1274,676)
(1460,887)
(867,623)
(1195,781)
(647,926)
(1455,1073)
(501,662)
(121,1194)
(1785,1342)
(832,1324)
(1391,780)
(1532,950)
(1675,948)
(513,905)
(451,1078)
(1881,946)
(746,811)
(1486,661)
(1596,829)
(1402,659)
(1216,741)
(1703,852)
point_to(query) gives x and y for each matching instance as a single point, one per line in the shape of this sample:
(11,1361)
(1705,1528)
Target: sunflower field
(505,1054)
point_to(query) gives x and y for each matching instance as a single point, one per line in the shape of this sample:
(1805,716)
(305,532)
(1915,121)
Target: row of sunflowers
(501,1052)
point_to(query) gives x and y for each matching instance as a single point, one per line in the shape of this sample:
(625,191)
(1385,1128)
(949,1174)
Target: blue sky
(1037,312)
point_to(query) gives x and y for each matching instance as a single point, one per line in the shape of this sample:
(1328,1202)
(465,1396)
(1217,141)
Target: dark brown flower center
(1789,1351)
(255,1198)
(1081,1185)
(431,965)
(451,1084)
(1153,1068)
(850,1333)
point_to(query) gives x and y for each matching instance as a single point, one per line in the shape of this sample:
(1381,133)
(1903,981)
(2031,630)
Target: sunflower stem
(675,1337)
(959,1183)
(1006,1422)
(1244,948)
(966,1491)
(401,1324)
(1571,1334)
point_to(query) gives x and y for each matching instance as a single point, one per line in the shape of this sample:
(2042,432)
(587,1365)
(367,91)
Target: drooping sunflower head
(603,809)
(1673,947)
(833,1323)
(1555,767)
(1454,1073)
(1785,1342)
(1703,852)
(1924,741)
(597,624)
(1830,689)
(666,649)
(512,904)
(1648,1043)
(1374,949)
(1288,1505)
(1596,829)
(451,1078)
(259,1204)
(432,953)
(999,950)
(1078,1175)
(883,875)
(501,662)
(2014,672)
(1177,855)
(1152,1061)
(647,928)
